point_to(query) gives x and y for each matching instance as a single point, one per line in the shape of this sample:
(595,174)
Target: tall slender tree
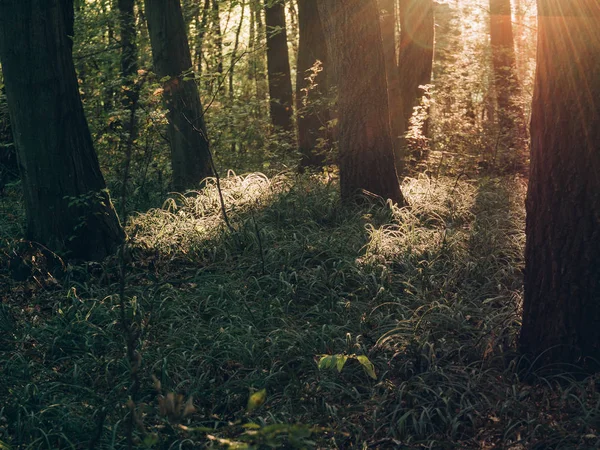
(190,154)
(366,155)
(561,311)
(388,34)
(278,66)
(311,86)
(415,61)
(67,205)
(510,114)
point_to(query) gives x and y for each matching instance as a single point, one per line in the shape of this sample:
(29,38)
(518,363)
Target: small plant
(339,361)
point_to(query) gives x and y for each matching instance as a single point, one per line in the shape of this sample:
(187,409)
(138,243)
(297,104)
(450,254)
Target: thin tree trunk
(561,311)
(190,156)
(366,155)
(278,66)
(67,205)
(234,51)
(510,114)
(218,36)
(312,86)
(388,35)
(415,58)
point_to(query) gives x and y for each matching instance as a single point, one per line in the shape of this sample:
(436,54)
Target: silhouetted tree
(68,207)
(415,60)
(510,114)
(561,310)
(366,157)
(311,85)
(278,66)
(190,156)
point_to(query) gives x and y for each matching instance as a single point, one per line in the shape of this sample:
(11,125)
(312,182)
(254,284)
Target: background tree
(190,155)
(389,24)
(311,85)
(415,60)
(67,204)
(366,156)
(510,114)
(278,66)
(562,273)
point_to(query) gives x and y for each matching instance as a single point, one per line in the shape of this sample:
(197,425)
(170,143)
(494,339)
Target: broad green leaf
(326,362)
(341,360)
(367,365)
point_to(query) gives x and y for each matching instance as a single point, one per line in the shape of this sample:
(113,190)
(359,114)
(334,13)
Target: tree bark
(67,205)
(510,114)
(190,155)
(312,87)
(388,16)
(415,58)
(278,66)
(561,311)
(366,156)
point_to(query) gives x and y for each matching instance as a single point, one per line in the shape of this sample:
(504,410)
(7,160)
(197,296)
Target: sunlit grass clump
(429,294)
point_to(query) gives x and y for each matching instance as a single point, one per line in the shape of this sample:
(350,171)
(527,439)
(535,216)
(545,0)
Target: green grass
(429,293)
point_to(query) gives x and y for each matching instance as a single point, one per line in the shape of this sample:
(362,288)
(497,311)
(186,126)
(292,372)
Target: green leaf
(367,365)
(251,426)
(256,400)
(341,360)
(326,362)
(4,446)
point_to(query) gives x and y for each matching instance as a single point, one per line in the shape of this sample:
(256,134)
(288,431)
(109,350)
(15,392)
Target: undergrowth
(430,294)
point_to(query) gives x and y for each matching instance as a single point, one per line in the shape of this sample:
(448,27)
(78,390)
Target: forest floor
(236,334)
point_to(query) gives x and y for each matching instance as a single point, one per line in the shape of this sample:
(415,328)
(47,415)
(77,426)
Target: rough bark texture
(278,66)
(67,205)
(311,97)
(561,313)
(190,156)
(415,61)
(387,9)
(510,114)
(366,157)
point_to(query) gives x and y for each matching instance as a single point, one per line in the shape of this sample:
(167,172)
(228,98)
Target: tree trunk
(278,66)
(387,10)
(510,114)
(366,156)
(67,205)
(190,155)
(312,86)
(415,59)
(218,36)
(561,311)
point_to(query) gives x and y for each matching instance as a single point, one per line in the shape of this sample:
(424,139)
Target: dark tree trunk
(129,67)
(510,114)
(311,86)
(561,312)
(366,156)
(415,58)
(68,207)
(218,36)
(278,66)
(190,155)
(388,34)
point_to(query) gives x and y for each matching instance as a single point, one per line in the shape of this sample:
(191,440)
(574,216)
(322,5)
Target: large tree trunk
(278,66)
(366,156)
(312,86)
(387,10)
(561,312)
(415,61)
(510,114)
(68,207)
(190,155)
